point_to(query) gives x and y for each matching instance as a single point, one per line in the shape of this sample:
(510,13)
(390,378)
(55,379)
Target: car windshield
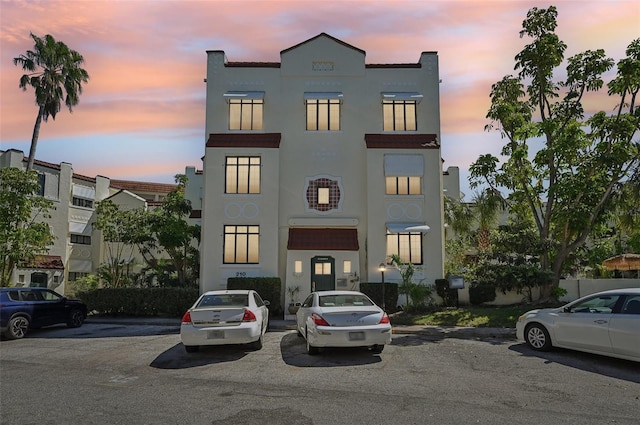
(224,300)
(346,300)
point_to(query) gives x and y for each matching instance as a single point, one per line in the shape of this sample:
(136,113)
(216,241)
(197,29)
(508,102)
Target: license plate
(356,336)
(215,334)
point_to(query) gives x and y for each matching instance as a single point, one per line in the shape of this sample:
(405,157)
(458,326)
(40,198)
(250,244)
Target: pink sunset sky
(141,116)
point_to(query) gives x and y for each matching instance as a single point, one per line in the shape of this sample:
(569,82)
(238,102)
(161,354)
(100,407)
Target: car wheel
(76,319)
(377,349)
(257,345)
(311,350)
(17,327)
(537,337)
(191,348)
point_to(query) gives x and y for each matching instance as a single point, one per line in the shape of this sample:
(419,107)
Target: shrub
(480,292)
(170,302)
(268,287)
(374,291)
(449,296)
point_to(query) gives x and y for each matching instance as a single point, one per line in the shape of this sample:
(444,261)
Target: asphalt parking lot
(140,374)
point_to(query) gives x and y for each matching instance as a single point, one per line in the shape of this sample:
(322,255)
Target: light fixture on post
(382,268)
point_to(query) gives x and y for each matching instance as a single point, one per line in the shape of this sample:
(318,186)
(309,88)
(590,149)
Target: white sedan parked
(606,323)
(225,317)
(342,319)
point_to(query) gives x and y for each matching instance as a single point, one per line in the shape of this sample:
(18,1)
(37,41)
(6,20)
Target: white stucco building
(317,167)
(77,249)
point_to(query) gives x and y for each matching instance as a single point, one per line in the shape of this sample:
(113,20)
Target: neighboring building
(317,167)
(77,249)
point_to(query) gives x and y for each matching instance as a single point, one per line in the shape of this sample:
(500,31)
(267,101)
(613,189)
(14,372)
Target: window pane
(416,248)
(410,116)
(399,116)
(229,248)
(257,116)
(245,119)
(334,117)
(312,113)
(387,116)
(323,195)
(415,186)
(234,114)
(390,186)
(403,186)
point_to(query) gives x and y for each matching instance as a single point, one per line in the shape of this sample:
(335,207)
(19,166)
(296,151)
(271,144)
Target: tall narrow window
(399,111)
(245,114)
(323,111)
(242,174)
(408,246)
(241,244)
(399,115)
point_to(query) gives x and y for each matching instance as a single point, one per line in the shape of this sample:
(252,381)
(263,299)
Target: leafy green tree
(151,232)
(119,228)
(23,232)
(569,184)
(54,72)
(175,235)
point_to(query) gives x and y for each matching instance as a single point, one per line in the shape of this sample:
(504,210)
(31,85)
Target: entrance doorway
(38,280)
(323,275)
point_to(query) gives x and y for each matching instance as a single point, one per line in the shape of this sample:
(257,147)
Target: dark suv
(22,309)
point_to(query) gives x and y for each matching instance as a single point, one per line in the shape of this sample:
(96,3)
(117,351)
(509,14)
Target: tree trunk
(34,139)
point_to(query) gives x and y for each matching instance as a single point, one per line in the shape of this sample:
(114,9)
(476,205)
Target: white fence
(576,288)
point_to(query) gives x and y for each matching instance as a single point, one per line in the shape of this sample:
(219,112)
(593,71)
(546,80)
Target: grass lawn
(489,317)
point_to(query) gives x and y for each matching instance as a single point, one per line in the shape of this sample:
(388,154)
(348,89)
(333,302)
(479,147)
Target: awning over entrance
(301,238)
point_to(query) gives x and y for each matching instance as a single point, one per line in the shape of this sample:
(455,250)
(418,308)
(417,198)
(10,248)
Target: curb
(432,331)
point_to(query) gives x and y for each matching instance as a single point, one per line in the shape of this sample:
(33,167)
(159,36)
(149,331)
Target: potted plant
(293,298)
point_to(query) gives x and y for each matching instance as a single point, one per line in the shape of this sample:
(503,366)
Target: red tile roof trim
(244,140)
(51,262)
(323,239)
(401,141)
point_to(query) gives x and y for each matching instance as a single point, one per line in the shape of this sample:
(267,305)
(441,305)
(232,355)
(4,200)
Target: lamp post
(382,268)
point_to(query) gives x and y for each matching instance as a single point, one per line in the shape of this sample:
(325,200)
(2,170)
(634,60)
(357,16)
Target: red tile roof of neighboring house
(45,262)
(244,140)
(401,141)
(135,186)
(323,239)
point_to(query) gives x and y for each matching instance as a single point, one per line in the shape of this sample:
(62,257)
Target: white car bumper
(328,336)
(244,333)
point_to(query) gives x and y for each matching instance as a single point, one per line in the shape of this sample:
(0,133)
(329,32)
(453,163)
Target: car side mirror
(567,309)
(266,302)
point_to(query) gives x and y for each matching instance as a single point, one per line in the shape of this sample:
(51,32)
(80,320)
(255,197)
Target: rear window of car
(13,295)
(344,301)
(224,300)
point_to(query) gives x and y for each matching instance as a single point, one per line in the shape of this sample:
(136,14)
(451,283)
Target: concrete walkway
(275,324)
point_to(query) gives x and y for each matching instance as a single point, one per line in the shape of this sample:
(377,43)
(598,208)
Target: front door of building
(323,275)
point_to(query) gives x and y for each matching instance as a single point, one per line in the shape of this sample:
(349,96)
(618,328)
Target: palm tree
(488,205)
(53,70)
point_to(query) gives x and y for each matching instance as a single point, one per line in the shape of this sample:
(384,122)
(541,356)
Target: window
(241,244)
(323,195)
(403,185)
(242,174)
(81,202)
(403,174)
(80,239)
(408,246)
(323,111)
(245,114)
(399,115)
(399,111)
(41,182)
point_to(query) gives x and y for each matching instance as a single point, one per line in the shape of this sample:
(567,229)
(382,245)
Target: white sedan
(342,319)
(606,323)
(225,317)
